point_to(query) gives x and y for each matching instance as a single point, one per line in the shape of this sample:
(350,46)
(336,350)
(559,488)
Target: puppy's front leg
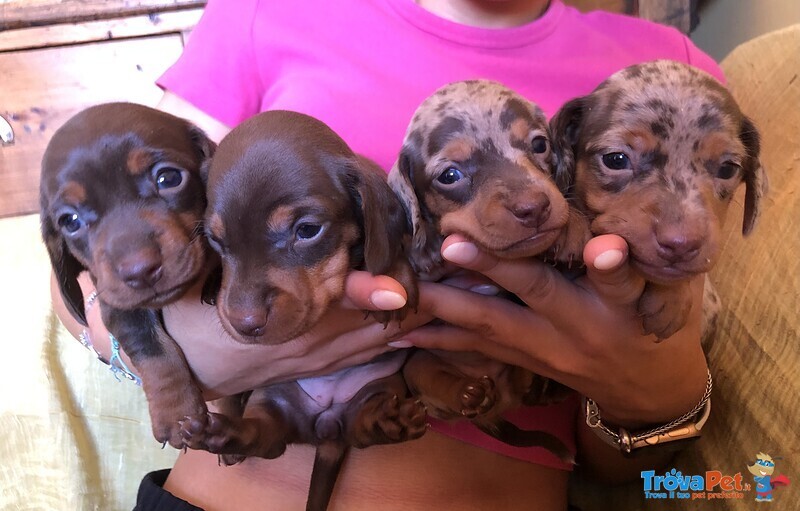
(444,388)
(665,308)
(172,393)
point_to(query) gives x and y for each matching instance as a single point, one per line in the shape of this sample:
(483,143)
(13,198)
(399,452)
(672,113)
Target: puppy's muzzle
(140,269)
(249,317)
(531,210)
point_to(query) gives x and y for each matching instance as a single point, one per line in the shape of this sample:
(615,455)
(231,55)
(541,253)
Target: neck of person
(496,14)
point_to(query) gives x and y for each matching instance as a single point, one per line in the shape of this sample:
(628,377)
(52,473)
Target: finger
(609,272)
(492,319)
(373,292)
(451,338)
(537,284)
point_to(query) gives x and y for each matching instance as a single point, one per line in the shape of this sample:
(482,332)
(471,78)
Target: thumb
(609,271)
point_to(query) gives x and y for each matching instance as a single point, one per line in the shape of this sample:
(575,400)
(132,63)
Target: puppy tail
(327,464)
(510,434)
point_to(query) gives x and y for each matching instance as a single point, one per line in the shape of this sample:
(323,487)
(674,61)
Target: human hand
(344,336)
(584,333)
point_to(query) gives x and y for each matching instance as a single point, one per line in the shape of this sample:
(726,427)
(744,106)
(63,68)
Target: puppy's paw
(477,396)
(168,423)
(396,316)
(388,419)
(568,247)
(664,309)
(216,434)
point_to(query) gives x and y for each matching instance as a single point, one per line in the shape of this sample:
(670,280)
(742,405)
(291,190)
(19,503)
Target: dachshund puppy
(654,155)
(291,211)
(476,160)
(122,196)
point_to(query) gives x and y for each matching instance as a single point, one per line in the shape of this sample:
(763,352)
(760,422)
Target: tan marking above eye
(139,161)
(639,139)
(520,129)
(717,144)
(458,150)
(281,218)
(73,192)
(216,226)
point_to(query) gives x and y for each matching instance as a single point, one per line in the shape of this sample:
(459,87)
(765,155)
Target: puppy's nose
(140,269)
(249,323)
(531,211)
(676,246)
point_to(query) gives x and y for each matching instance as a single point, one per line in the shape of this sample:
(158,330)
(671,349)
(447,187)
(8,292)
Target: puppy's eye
(450,176)
(70,222)
(168,177)
(308,231)
(539,144)
(616,161)
(727,170)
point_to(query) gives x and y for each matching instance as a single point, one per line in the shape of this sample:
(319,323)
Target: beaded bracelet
(117,366)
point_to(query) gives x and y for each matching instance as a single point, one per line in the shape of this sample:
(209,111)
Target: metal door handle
(6,132)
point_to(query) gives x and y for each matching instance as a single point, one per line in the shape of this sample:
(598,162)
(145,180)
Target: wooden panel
(104,30)
(33,13)
(43,88)
(622,6)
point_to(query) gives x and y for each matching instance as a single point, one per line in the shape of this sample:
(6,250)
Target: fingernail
(387,300)
(461,252)
(485,289)
(400,344)
(609,259)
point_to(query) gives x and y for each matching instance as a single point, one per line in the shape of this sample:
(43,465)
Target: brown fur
(506,201)
(273,176)
(688,147)
(103,211)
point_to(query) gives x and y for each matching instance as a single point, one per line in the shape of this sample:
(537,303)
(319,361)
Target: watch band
(682,428)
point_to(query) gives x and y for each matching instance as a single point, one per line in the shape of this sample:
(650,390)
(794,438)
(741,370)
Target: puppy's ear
(425,242)
(565,130)
(66,267)
(380,213)
(205,148)
(755,179)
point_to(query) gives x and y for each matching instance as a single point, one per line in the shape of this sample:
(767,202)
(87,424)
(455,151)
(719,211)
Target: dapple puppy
(477,160)
(654,155)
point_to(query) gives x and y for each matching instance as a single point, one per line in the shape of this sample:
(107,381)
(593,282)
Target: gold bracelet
(678,429)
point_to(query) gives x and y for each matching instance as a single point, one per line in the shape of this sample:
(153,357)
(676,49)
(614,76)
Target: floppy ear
(205,148)
(565,130)
(66,268)
(755,179)
(380,214)
(425,240)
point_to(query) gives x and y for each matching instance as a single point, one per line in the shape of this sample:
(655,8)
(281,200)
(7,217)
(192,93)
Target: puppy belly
(341,386)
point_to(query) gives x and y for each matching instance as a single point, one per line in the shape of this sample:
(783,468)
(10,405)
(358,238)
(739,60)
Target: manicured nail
(461,252)
(485,289)
(387,300)
(400,344)
(609,259)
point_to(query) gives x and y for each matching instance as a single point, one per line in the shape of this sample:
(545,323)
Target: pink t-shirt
(364,67)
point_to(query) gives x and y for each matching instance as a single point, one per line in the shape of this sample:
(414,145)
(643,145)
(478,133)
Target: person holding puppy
(363,68)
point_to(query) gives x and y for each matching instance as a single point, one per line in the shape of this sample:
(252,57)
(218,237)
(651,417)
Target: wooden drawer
(43,88)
